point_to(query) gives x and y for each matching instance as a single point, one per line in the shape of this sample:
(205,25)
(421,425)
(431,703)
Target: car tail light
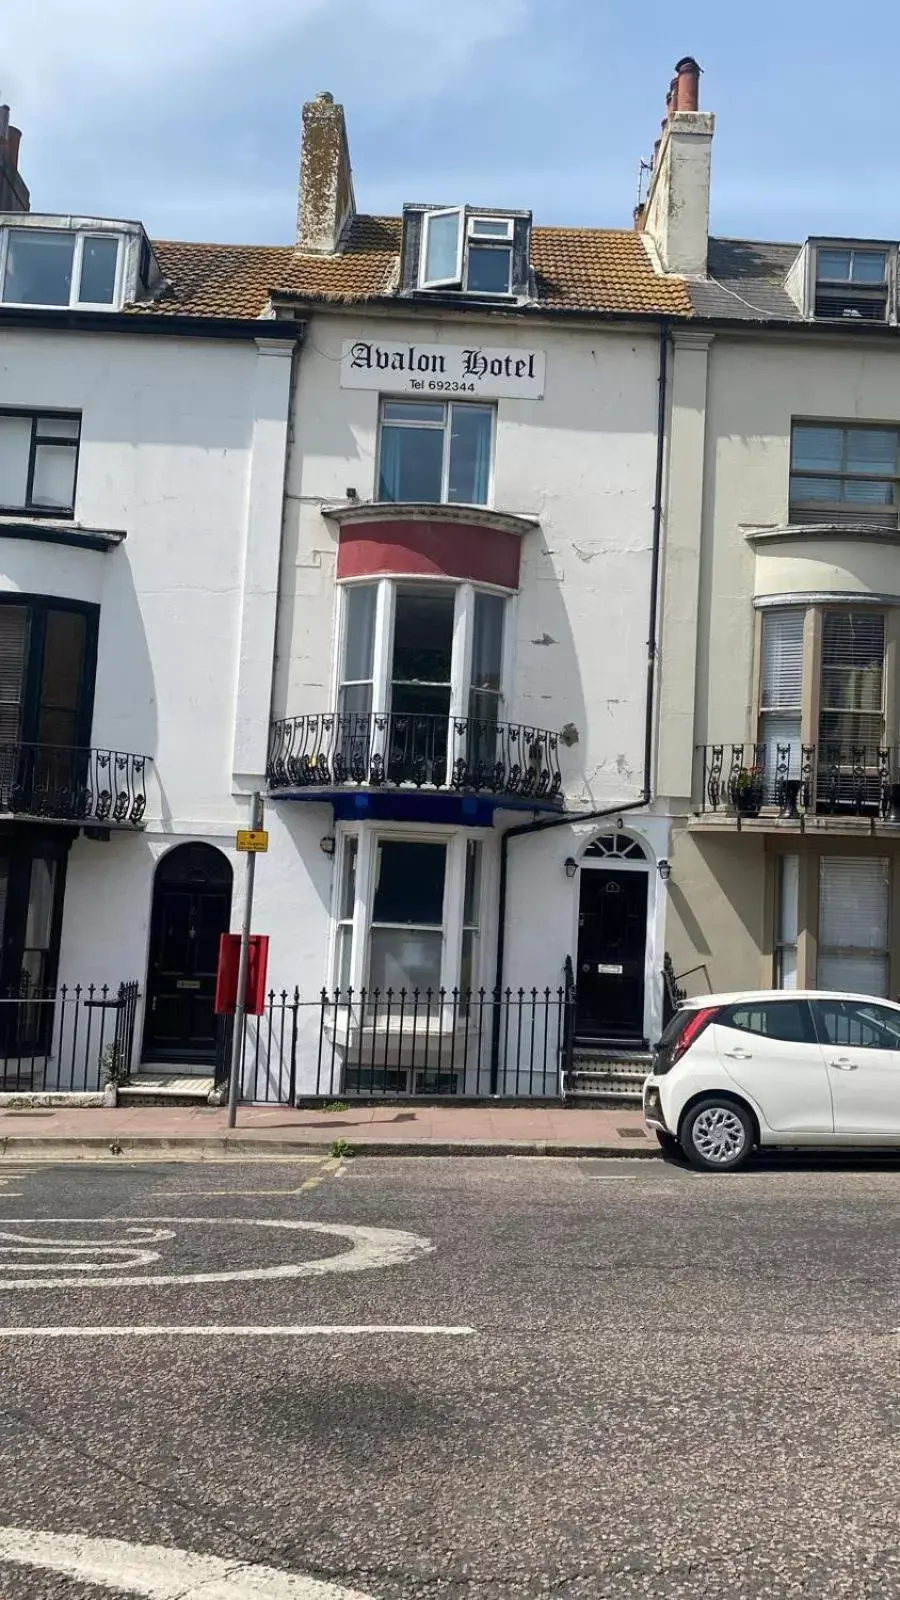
(692,1030)
(686,1026)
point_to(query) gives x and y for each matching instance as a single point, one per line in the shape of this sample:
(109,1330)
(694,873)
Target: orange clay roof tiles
(576,269)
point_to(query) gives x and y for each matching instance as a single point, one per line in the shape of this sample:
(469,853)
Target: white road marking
(158,1573)
(371,1247)
(249,1331)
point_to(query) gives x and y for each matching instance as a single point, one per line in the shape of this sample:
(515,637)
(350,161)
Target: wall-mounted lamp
(665,870)
(326,845)
(571,866)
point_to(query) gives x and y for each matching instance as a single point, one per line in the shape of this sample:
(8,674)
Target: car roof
(746,996)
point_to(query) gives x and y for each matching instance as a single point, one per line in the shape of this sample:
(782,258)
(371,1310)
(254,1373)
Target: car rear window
(789,1020)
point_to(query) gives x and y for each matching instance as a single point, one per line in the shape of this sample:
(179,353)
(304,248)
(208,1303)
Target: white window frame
(74,302)
(447,427)
(428,218)
(502,241)
(368,836)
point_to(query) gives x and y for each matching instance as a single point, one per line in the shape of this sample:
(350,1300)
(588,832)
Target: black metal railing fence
(74,1038)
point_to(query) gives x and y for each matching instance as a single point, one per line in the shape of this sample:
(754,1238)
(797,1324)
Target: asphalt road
(677,1385)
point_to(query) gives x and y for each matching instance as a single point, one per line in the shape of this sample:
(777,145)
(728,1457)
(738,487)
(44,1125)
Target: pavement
(485,1129)
(592,1379)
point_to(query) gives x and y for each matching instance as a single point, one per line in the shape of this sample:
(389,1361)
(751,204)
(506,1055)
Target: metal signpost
(251,841)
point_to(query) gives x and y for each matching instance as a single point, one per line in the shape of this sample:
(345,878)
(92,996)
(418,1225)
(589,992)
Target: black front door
(612,938)
(191,910)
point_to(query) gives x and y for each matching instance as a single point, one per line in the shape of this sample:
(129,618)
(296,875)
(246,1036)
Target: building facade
(778,725)
(372,523)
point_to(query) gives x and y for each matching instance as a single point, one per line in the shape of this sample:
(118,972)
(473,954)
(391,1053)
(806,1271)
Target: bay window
(420,678)
(822,706)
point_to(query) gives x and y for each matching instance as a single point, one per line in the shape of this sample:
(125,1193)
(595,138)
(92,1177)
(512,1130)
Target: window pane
(467,971)
(355,700)
(38,268)
(487,641)
(359,631)
(869,266)
(853,903)
(53,483)
(472,896)
(788,898)
(442,245)
(13,646)
(834,264)
(471,429)
(867,492)
(405,959)
(63,666)
(489,269)
(58,427)
(39,918)
(412,463)
(15,445)
(490,227)
(98,271)
(815,449)
(423,636)
(418,412)
(409,882)
(344,954)
(872,450)
(779,1019)
(348,878)
(805,490)
(852,661)
(853,974)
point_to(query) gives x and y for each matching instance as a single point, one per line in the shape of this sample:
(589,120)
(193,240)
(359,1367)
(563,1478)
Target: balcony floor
(417,805)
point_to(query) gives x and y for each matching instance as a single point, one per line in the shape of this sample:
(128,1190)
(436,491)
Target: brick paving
(400,1128)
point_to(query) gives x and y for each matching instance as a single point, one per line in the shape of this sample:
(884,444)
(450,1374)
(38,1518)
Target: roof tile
(576,269)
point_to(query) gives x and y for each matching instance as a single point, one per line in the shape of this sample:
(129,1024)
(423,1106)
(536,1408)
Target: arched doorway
(612,941)
(191,910)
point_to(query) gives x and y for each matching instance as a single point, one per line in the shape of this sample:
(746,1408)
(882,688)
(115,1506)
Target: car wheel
(717,1134)
(669,1145)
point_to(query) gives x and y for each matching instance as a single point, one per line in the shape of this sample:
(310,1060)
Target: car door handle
(843,1064)
(738,1055)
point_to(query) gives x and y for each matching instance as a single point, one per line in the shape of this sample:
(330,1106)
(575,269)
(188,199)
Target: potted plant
(747,791)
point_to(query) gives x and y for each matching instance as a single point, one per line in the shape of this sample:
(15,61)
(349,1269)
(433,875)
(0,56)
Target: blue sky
(186,113)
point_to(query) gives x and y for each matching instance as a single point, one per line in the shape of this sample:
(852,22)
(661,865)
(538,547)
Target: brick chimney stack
(14,194)
(326,181)
(676,215)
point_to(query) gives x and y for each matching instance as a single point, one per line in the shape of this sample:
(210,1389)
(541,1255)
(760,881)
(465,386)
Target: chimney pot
(687,84)
(325,97)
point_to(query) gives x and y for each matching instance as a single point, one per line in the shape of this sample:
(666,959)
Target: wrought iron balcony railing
(105,787)
(377,750)
(794,778)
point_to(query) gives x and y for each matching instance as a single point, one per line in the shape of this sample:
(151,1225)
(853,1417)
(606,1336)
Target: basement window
(852,283)
(53,267)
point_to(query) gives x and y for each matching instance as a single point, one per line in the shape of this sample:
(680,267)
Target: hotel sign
(491,371)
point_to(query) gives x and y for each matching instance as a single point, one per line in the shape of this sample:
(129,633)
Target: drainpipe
(544,825)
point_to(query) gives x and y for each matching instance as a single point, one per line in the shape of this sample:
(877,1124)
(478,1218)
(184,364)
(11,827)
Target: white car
(775,1067)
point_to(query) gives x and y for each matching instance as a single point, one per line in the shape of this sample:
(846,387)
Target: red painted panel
(227,975)
(433,549)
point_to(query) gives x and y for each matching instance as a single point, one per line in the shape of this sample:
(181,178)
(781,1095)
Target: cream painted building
(779,720)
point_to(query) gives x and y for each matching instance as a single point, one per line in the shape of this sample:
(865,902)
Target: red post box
(227,974)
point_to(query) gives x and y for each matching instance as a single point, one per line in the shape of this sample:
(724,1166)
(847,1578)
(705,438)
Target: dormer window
(851,283)
(458,249)
(52,267)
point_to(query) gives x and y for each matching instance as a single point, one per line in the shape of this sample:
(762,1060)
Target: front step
(606,1079)
(165,1089)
